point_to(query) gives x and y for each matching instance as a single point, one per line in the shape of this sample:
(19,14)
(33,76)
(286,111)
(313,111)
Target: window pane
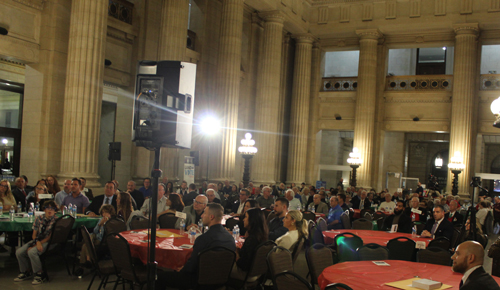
(431,55)
(10,104)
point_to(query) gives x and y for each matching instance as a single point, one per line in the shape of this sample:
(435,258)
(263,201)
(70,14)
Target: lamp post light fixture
(456,166)
(495,109)
(438,162)
(247,151)
(209,126)
(354,161)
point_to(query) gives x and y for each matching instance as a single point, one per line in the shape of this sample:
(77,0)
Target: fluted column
(364,123)
(312,164)
(172,46)
(228,86)
(299,118)
(83,91)
(267,100)
(463,106)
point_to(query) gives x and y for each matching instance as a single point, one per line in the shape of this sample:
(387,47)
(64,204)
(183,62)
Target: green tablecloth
(22,224)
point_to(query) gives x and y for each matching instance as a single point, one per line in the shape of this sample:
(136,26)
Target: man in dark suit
(238,205)
(453,216)
(361,201)
(109,197)
(216,236)
(415,212)
(468,260)
(19,192)
(399,218)
(438,226)
(189,197)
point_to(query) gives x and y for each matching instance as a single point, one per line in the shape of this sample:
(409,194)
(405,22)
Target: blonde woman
(297,229)
(6,196)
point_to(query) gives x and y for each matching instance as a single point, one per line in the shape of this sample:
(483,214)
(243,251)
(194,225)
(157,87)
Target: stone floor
(59,278)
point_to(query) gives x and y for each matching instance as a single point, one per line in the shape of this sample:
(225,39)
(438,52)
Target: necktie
(107,200)
(361,204)
(434,228)
(24,193)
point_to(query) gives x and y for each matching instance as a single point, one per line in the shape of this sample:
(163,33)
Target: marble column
(267,100)
(462,131)
(228,87)
(311,164)
(172,46)
(299,118)
(83,91)
(364,123)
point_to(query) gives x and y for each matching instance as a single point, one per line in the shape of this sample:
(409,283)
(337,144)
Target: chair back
(139,222)
(368,216)
(434,255)
(488,224)
(346,220)
(346,244)
(321,224)
(456,236)
(279,260)
(337,286)
(115,225)
(317,236)
(259,264)
(318,257)
(90,246)
(401,248)
(230,223)
(310,231)
(297,248)
(362,224)
(309,216)
(373,252)
(380,223)
(363,212)
(167,220)
(441,242)
(121,257)
(377,215)
(291,281)
(61,230)
(210,275)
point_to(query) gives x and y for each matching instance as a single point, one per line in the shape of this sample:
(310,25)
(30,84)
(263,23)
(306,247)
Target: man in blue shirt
(146,190)
(334,221)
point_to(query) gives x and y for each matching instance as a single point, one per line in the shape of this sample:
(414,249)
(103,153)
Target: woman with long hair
(297,229)
(124,205)
(52,185)
(250,203)
(170,188)
(6,196)
(174,202)
(257,232)
(39,189)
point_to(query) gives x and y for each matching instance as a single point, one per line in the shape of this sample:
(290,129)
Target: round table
(369,236)
(22,224)
(367,275)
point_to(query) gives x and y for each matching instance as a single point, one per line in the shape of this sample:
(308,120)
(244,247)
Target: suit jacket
(188,198)
(479,279)
(322,208)
(20,197)
(458,219)
(98,201)
(235,206)
(138,197)
(445,228)
(356,201)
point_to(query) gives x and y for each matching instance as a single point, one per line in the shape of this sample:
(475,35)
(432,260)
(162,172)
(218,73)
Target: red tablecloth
(168,253)
(369,236)
(366,275)
(319,215)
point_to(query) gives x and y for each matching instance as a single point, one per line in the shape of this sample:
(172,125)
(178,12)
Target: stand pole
(155,174)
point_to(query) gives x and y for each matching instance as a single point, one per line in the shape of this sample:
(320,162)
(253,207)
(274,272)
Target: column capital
(275,16)
(466,28)
(304,38)
(374,34)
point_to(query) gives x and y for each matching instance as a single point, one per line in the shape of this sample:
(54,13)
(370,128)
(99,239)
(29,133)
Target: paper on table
(380,263)
(164,234)
(406,284)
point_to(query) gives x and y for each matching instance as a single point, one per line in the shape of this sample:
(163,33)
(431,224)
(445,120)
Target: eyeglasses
(197,202)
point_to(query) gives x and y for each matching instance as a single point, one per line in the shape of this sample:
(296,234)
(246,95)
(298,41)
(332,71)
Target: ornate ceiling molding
(37,4)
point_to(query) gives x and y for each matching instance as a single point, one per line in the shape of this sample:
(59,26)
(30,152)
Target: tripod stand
(471,212)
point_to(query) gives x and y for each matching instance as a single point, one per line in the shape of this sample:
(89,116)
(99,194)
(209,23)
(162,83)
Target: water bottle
(182,226)
(12,213)
(413,218)
(63,209)
(299,207)
(236,231)
(69,209)
(19,207)
(1,208)
(200,225)
(75,210)
(414,232)
(313,209)
(192,235)
(30,215)
(37,206)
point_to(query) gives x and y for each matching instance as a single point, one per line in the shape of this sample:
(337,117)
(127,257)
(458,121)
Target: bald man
(468,260)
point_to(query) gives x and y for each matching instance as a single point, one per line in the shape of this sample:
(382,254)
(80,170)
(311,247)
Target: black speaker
(196,157)
(164,102)
(115,151)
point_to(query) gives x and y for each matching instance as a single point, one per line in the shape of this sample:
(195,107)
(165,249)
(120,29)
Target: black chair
(318,257)
(381,223)
(291,281)
(139,222)
(103,268)
(441,242)
(362,224)
(338,286)
(214,277)
(297,248)
(363,212)
(310,216)
(346,220)
(321,224)
(401,248)
(279,260)
(122,260)
(257,269)
(368,216)
(372,252)
(434,255)
(310,230)
(317,236)
(57,242)
(456,236)
(115,224)
(377,215)
(230,223)
(167,220)
(346,245)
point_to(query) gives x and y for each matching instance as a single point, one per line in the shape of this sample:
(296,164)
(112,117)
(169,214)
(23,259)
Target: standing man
(136,194)
(334,214)
(189,197)
(265,200)
(468,260)
(76,197)
(146,190)
(341,183)
(276,228)
(109,197)
(193,212)
(63,193)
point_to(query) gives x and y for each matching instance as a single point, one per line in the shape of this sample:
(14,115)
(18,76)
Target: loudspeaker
(115,151)
(164,103)
(196,157)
